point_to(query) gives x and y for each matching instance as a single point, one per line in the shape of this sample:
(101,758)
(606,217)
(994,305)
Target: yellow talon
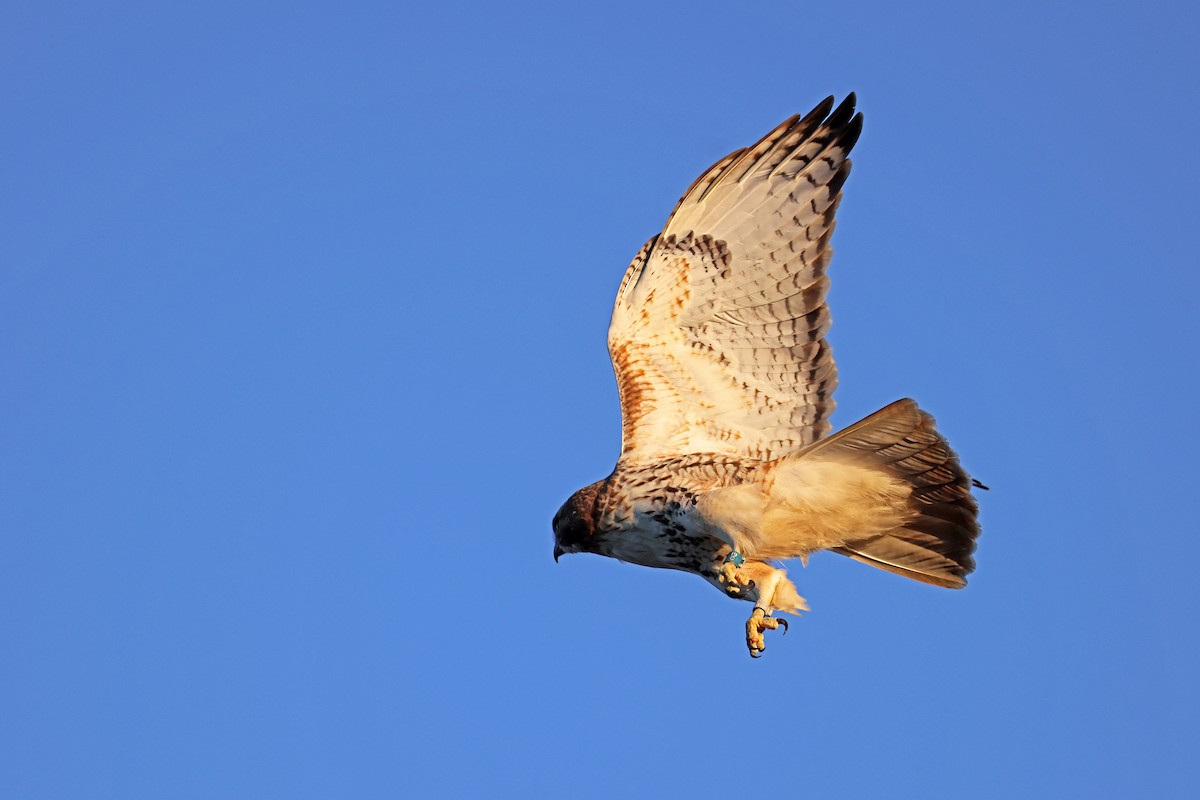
(732,579)
(759,622)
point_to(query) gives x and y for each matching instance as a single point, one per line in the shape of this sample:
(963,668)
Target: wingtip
(851,132)
(819,112)
(843,113)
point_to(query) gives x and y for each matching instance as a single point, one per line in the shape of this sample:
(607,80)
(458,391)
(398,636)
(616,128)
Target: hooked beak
(558,551)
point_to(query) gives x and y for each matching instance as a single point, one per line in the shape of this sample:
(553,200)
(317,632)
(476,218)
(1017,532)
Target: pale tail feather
(936,544)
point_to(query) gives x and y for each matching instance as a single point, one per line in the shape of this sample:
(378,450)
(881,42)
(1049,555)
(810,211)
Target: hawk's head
(575,522)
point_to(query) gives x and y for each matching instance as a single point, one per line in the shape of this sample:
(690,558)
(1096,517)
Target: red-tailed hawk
(726,383)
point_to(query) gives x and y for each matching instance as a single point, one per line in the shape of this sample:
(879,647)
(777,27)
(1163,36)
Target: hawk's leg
(762,584)
(761,620)
(773,591)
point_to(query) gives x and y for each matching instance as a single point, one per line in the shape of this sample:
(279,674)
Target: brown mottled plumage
(726,383)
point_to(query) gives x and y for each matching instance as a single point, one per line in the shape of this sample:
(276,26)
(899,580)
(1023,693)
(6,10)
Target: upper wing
(717,335)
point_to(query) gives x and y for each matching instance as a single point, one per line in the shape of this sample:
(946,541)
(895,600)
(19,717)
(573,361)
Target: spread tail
(936,543)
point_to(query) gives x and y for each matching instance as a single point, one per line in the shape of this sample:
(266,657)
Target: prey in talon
(726,380)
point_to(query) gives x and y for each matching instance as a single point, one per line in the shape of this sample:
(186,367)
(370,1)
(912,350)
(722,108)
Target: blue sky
(302,323)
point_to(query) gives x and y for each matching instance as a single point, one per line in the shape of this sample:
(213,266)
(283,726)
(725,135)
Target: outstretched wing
(717,335)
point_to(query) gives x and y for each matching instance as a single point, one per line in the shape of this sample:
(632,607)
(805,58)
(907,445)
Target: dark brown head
(575,522)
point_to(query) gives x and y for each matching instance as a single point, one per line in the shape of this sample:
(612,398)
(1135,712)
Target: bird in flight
(726,383)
